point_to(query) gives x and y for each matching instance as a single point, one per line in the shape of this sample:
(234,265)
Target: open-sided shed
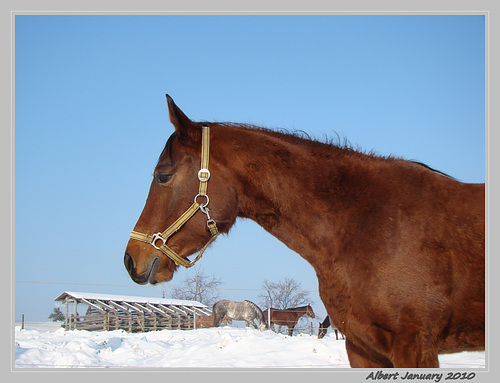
(133,314)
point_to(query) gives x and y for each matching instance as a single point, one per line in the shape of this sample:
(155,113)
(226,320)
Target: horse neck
(286,184)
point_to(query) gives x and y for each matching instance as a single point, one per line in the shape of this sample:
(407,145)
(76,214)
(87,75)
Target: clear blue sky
(91,120)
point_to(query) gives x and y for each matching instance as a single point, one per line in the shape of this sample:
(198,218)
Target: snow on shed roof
(128,299)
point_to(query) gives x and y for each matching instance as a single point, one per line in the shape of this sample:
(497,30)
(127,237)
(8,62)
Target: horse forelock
(167,150)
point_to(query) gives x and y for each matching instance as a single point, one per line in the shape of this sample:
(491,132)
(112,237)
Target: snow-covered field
(50,346)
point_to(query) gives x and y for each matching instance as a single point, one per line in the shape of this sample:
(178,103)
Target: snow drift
(223,347)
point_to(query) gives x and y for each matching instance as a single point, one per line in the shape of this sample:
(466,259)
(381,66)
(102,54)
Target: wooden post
(22,323)
(66,317)
(76,314)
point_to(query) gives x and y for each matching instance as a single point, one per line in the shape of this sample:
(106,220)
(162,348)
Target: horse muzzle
(148,275)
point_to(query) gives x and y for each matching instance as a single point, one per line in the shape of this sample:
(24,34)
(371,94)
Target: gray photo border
(10,8)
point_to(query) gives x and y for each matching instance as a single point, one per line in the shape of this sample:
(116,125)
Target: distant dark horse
(323,327)
(288,317)
(246,311)
(397,247)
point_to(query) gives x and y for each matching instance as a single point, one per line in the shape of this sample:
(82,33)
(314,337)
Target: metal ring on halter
(202,205)
(157,237)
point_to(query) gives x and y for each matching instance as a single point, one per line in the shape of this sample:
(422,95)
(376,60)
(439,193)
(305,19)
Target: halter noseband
(203,176)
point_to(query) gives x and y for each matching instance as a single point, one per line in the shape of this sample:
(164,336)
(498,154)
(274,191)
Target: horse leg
(358,358)
(248,323)
(415,351)
(337,334)
(252,323)
(290,330)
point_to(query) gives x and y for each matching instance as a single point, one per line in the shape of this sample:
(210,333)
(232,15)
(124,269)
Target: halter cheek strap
(159,240)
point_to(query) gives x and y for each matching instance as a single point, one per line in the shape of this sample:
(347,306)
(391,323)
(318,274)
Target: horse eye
(163,178)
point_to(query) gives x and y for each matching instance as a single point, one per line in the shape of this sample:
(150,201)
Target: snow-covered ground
(51,346)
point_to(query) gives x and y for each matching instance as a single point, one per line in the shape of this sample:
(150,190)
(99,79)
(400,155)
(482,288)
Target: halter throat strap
(159,240)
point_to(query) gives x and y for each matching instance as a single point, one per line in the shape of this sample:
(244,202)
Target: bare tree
(283,294)
(198,287)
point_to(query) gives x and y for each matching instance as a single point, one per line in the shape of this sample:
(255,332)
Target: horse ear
(186,129)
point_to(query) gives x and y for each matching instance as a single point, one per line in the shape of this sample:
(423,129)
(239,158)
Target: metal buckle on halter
(157,237)
(204,175)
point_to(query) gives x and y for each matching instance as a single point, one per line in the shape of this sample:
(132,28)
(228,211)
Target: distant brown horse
(398,248)
(287,317)
(206,321)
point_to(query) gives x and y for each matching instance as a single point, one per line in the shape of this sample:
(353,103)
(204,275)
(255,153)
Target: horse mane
(295,136)
(434,170)
(339,143)
(298,308)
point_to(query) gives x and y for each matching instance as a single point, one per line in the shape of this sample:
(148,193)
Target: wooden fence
(131,323)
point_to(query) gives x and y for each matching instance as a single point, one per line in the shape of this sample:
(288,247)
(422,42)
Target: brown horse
(287,317)
(206,321)
(398,248)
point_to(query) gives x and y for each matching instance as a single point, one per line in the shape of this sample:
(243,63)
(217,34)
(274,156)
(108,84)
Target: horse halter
(203,176)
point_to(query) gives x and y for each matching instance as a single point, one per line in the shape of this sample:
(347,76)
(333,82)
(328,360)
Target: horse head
(309,311)
(178,197)
(322,332)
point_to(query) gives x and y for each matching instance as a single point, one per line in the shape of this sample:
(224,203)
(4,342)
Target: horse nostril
(129,263)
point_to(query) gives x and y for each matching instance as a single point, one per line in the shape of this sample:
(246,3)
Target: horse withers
(398,248)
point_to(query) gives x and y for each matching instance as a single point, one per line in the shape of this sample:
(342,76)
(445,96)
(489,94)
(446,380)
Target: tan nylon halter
(203,176)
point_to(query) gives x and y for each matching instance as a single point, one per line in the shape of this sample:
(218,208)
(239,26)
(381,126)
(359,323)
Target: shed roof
(128,299)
